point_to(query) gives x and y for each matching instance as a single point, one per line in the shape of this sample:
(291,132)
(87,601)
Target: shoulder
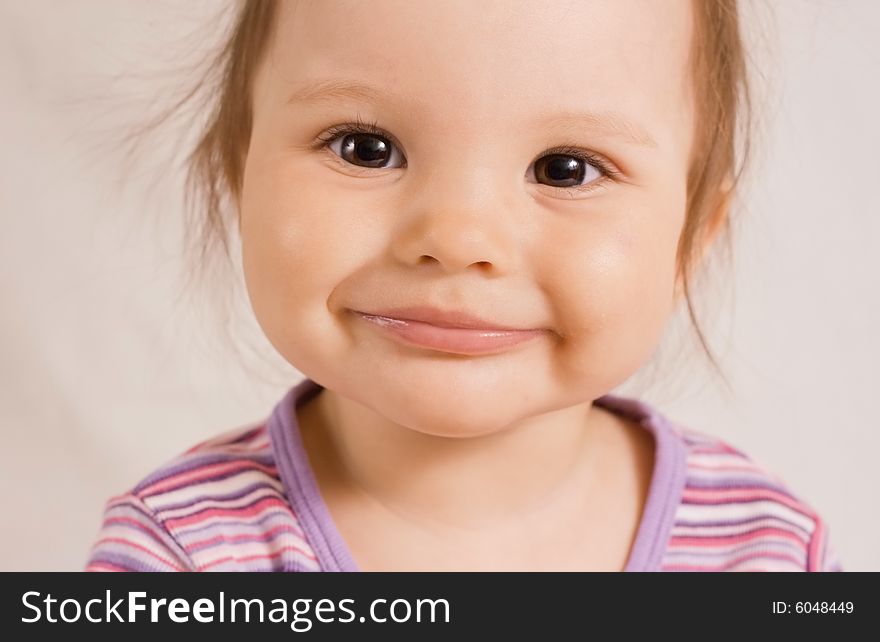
(736,515)
(218,506)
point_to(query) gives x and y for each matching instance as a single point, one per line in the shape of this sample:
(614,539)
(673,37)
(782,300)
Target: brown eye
(363,145)
(365,150)
(563,170)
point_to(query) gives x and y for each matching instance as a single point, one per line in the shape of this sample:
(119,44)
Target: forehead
(499,60)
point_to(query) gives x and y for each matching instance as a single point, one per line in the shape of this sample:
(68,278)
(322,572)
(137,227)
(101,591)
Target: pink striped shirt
(247,500)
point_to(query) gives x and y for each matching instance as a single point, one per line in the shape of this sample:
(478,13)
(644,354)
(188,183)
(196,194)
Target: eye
(571,168)
(363,145)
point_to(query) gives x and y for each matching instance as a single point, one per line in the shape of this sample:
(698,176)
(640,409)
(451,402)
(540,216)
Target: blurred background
(109,366)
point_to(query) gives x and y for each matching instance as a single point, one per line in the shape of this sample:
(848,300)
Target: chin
(443,417)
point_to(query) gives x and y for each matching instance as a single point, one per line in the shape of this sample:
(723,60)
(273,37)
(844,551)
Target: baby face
(529,169)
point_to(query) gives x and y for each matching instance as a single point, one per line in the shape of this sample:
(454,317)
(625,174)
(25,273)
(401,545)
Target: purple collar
(664,494)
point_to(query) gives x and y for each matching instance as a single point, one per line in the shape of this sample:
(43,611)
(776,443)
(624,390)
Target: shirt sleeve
(131,538)
(822,554)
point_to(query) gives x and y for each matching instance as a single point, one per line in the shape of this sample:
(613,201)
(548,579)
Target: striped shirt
(247,500)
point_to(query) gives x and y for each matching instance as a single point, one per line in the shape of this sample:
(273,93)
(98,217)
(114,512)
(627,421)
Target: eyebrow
(606,123)
(332,89)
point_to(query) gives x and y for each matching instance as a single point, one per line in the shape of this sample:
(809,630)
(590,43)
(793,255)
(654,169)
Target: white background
(107,371)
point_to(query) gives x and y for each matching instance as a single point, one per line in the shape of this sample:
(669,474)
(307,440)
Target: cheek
(612,281)
(297,246)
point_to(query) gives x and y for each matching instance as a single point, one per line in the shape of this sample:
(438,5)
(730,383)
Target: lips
(453,331)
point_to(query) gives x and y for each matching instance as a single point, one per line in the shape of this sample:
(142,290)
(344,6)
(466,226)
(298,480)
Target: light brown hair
(723,131)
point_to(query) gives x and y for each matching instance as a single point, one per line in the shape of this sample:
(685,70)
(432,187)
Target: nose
(455,220)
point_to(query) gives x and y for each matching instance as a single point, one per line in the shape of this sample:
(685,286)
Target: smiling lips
(447,331)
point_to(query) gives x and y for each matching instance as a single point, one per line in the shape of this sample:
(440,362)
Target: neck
(473,483)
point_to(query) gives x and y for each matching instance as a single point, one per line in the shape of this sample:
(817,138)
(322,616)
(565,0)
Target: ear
(710,231)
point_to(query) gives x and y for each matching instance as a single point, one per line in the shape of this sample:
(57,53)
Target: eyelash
(360,127)
(608,171)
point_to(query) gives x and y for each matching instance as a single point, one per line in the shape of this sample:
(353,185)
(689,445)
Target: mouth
(455,339)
